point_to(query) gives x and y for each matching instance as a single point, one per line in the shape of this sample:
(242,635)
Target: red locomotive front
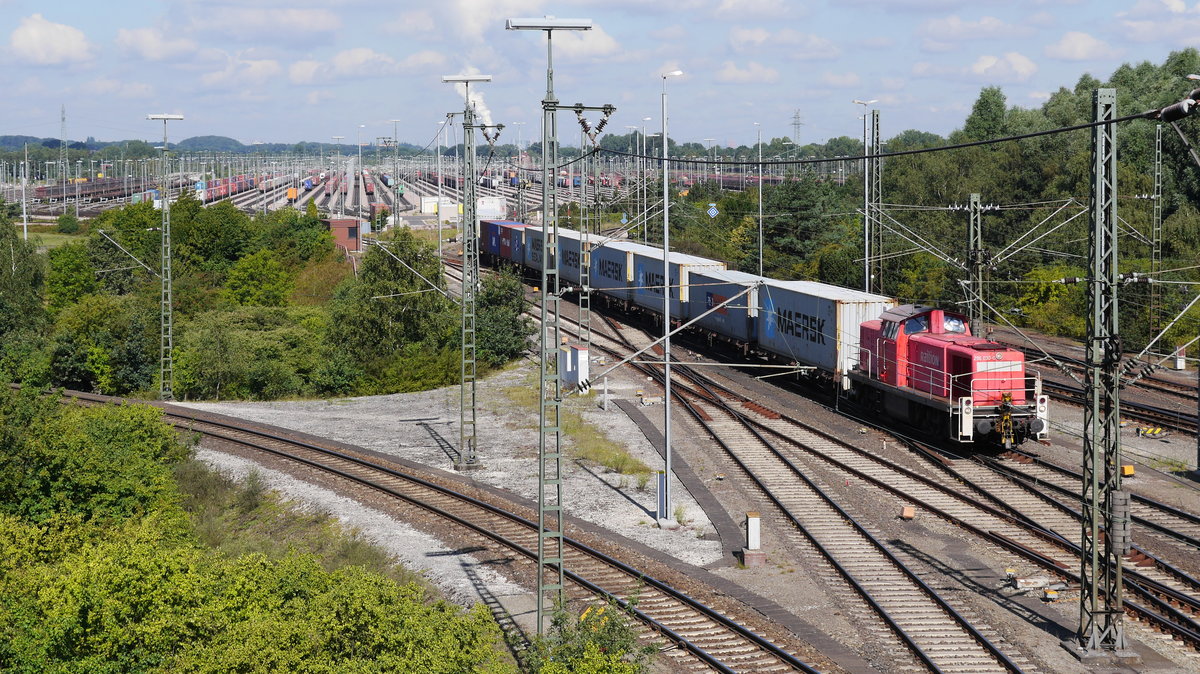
(922,364)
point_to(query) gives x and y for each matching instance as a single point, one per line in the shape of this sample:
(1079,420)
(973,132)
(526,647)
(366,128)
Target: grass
(242,518)
(587,441)
(49,237)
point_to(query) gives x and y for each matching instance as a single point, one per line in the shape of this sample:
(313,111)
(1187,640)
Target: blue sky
(285,71)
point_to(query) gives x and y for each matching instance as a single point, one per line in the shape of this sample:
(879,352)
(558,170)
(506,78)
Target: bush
(68,223)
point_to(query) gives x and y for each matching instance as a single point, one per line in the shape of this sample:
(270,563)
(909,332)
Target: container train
(917,365)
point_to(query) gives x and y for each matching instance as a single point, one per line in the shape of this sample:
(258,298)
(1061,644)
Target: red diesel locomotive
(921,365)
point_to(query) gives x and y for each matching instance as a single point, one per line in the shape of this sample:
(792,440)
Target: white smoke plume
(483,113)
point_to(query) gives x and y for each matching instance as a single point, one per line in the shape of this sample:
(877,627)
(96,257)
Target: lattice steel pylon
(975,266)
(62,157)
(874,199)
(550,480)
(1156,230)
(1105,520)
(468,458)
(166,333)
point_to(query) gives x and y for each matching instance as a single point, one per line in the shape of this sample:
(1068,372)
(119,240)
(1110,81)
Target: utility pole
(467,458)
(24,195)
(1105,508)
(873,205)
(166,338)
(551,548)
(63,170)
(975,263)
(1156,230)
(866,198)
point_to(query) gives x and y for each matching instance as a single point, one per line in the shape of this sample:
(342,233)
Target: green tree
(987,115)
(503,332)
(259,279)
(71,275)
(67,223)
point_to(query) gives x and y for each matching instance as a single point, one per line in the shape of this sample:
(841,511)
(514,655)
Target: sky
(302,70)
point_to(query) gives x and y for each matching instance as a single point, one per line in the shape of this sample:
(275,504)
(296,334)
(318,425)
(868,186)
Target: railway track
(935,634)
(1166,598)
(699,637)
(1150,414)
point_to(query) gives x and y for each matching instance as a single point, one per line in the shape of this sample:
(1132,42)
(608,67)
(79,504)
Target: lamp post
(550,506)
(520,182)
(359,179)
(664,490)
(710,142)
(395,170)
(438,208)
(642,181)
(337,194)
(866,200)
(166,337)
(758,128)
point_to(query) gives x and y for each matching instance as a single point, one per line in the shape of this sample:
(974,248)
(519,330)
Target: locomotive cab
(923,364)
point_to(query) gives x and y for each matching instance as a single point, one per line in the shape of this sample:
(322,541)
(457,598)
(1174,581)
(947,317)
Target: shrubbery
(101,570)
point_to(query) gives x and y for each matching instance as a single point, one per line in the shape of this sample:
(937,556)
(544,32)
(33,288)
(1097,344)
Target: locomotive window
(890,328)
(916,324)
(954,324)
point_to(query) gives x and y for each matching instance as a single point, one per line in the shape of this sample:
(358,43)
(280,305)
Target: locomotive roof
(905,311)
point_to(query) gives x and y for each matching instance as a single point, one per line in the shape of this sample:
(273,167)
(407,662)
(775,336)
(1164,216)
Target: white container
(489,208)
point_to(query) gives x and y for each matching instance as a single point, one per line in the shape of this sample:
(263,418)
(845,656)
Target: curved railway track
(700,637)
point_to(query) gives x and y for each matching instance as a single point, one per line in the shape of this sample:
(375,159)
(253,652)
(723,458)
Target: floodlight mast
(166,333)
(467,457)
(550,510)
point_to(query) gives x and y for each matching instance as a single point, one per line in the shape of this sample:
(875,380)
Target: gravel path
(424,427)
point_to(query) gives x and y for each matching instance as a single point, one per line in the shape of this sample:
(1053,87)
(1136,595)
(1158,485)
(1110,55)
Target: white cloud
(152,45)
(416,22)
(105,86)
(43,42)
(753,73)
(1168,22)
(265,22)
(1076,46)
(359,63)
(953,28)
(239,70)
(841,80)
(893,83)
(318,97)
(583,45)
(793,44)
(1011,67)
(741,8)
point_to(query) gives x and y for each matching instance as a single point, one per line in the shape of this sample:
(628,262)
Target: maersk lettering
(571,258)
(802,326)
(654,283)
(610,269)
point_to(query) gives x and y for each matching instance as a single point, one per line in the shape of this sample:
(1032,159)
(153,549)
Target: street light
(758,127)
(395,170)
(549,382)
(664,489)
(337,194)
(166,336)
(866,200)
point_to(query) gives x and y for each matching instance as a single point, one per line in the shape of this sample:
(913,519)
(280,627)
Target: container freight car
(917,365)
